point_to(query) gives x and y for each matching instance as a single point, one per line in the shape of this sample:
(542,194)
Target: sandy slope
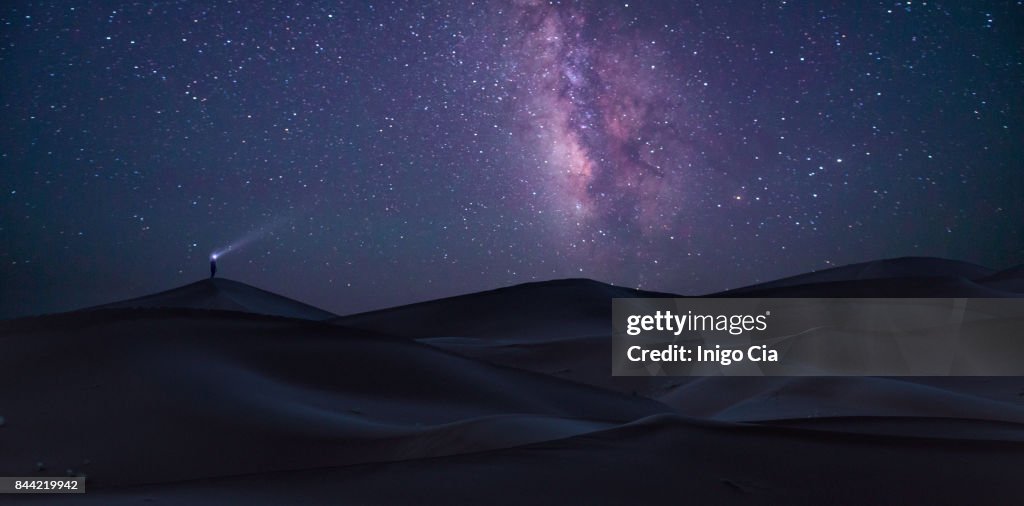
(659,460)
(527,312)
(893,268)
(227,295)
(898,277)
(136,396)
(503,397)
(771,398)
(1009,280)
(579,352)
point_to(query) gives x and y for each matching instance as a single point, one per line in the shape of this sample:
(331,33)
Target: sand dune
(662,459)
(220,392)
(898,277)
(576,308)
(532,311)
(751,399)
(1009,280)
(205,393)
(893,268)
(923,286)
(228,295)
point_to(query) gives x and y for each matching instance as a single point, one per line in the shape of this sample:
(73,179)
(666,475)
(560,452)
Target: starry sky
(357,155)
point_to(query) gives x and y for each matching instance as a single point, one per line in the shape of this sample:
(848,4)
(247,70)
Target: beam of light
(250,237)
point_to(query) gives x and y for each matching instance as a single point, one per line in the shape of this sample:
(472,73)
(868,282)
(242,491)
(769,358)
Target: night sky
(366,154)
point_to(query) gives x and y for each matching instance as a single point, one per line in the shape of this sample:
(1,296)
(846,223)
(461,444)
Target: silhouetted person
(213,266)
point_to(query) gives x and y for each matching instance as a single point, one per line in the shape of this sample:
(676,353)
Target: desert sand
(219,392)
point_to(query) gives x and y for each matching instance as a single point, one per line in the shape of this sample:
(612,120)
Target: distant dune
(550,309)
(895,268)
(538,311)
(218,392)
(898,277)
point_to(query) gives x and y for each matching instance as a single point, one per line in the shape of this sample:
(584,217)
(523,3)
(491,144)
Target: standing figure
(213,266)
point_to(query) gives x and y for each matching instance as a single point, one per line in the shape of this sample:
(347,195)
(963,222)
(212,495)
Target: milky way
(368,154)
(604,113)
